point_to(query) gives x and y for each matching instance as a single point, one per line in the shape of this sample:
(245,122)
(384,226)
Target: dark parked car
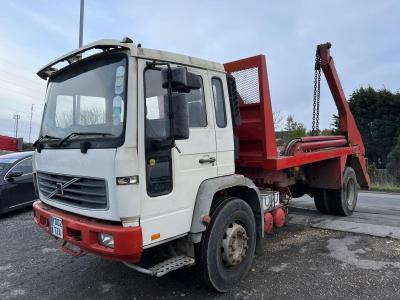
(16,181)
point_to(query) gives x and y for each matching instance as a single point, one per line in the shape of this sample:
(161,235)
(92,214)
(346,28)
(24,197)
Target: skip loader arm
(347,124)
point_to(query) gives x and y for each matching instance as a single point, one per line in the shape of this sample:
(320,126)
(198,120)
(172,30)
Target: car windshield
(6,163)
(87,97)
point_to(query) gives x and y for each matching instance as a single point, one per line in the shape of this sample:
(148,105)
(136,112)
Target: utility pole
(30,124)
(16,117)
(81,23)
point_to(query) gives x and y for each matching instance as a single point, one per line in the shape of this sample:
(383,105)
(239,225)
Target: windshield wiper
(45,137)
(81,133)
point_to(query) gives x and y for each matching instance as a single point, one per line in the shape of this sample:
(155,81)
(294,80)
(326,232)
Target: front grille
(78,191)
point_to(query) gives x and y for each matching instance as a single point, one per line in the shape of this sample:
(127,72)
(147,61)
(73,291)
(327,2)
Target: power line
(20,75)
(22,93)
(31,88)
(81,23)
(30,125)
(16,117)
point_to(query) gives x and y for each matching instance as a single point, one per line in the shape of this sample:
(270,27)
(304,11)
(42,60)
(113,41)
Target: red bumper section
(83,232)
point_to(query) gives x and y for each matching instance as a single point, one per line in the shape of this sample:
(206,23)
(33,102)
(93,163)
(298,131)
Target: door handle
(207,160)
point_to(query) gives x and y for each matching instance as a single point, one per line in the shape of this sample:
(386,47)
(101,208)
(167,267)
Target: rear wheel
(321,201)
(344,200)
(226,252)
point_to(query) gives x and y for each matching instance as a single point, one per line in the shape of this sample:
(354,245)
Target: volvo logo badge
(60,189)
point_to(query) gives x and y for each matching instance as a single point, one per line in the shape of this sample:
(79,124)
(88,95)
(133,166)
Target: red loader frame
(321,158)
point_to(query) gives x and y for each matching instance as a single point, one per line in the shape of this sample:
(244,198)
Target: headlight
(105,239)
(128,180)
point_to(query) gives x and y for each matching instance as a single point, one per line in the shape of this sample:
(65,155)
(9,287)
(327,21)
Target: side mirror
(181,116)
(14,174)
(182,81)
(180,112)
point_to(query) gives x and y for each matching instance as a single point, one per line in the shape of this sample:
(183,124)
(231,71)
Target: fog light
(105,239)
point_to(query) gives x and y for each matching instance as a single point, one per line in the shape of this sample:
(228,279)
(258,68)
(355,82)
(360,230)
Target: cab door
(173,176)
(223,123)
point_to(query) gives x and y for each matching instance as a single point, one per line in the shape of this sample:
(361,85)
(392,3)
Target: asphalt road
(299,262)
(384,204)
(377,214)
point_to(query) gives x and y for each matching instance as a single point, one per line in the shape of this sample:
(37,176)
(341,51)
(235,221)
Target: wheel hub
(350,193)
(234,244)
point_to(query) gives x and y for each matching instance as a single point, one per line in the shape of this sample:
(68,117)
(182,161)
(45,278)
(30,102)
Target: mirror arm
(176,147)
(171,110)
(154,65)
(170,107)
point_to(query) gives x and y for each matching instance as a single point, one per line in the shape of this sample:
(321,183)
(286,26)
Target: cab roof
(127,44)
(179,59)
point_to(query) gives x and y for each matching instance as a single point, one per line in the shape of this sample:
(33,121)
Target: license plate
(56,227)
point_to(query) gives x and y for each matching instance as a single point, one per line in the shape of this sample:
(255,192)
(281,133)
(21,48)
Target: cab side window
(24,166)
(197,107)
(219,102)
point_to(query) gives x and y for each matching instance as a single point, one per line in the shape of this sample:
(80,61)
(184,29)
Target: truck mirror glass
(182,81)
(180,117)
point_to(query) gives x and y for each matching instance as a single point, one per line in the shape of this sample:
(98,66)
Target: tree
(278,119)
(393,161)
(327,131)
(88,116)
(377,114)
(293,129)
(335,125)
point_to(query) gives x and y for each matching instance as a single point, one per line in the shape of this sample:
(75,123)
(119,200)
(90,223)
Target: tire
(228,220)
(321,201)
(344,201)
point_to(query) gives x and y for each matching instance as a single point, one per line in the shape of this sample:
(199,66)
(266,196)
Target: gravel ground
(298,262)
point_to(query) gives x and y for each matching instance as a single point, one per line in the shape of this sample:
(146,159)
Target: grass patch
(389,188)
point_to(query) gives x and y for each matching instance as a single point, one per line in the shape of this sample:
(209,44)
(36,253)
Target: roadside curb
(339,224)
(378,192)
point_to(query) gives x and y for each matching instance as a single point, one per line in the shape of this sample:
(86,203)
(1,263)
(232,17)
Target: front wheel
(226,252)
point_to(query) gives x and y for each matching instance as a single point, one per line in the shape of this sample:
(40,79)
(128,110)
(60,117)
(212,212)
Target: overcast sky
(364,34)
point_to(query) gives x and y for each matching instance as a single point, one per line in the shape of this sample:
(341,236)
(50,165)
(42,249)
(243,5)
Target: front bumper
(83,232)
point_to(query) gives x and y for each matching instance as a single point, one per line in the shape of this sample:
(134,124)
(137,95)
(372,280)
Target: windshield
(88,97)
(6,163)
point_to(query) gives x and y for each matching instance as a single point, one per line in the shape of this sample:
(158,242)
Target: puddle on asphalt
(340,250)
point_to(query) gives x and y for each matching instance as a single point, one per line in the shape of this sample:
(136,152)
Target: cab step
(165,266)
